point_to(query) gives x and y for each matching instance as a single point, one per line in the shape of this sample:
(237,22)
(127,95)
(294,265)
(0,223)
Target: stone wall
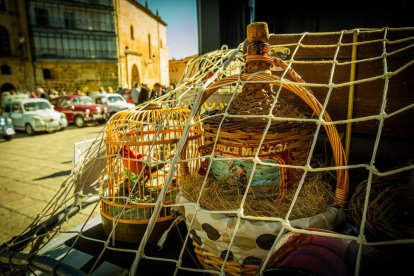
(70,76)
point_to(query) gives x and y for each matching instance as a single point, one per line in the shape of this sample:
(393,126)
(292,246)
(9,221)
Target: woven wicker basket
(388,216)
(257,98)
(245,133)
(211,261)
(287,143)
(299,135)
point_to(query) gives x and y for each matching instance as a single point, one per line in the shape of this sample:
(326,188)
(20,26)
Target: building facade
(80,44)
(16,72)
(73,44)
(142,45)
(177,68)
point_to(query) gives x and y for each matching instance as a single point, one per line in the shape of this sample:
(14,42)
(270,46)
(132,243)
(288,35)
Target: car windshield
(113,99)
(83,100)
(32,106)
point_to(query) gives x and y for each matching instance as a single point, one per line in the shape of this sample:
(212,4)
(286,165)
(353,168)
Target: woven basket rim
(342,185)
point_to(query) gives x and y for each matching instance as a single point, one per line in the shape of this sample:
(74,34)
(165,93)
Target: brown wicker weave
(285,142)
(341,190)
(295,142)
(258,59)
(385,216)
(213,262)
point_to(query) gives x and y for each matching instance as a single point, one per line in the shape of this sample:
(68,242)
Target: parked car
(34,115)
(80,110)
(6,128)
(112,101)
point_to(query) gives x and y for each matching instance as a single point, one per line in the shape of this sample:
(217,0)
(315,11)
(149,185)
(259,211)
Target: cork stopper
(258,31)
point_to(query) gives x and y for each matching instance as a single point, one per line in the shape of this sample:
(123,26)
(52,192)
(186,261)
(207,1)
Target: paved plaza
(32,169)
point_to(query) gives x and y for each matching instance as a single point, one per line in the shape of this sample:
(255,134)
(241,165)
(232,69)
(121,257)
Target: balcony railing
(84,54)
(88,3)
(75,24)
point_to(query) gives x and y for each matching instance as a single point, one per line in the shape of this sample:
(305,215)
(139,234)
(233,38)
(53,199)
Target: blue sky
(181,19)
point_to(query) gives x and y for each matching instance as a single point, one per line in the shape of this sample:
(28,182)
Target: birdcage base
(133,233)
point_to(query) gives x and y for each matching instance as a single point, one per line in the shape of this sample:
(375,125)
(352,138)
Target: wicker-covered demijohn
(140,146)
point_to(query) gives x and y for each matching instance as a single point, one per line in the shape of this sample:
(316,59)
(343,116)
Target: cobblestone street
(32,169)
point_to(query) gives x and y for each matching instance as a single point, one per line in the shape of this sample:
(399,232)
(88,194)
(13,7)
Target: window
(2,5)
(47,74)
(4,42)
(115,99)
(63,102)
(132,32)
(149,46)
(7,87)
(5,70)
(7,109)
(42,17)
(53,45)
(33,106)
(69,19)
(17,108)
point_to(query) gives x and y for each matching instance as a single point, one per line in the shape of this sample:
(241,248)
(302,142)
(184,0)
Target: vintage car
(112,101)
(34,115)
(80,109)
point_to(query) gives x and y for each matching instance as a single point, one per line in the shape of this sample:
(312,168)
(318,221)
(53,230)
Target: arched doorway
(7,87)
(134,75)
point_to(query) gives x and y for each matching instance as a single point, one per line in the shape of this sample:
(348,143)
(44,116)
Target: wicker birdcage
(140,145)
(248,130)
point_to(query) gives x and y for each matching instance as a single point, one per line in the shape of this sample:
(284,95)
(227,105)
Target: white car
(34,115)
(112,101)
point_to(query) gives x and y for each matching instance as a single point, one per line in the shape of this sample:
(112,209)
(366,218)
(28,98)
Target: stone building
(16,71)
(80,44)
(177,68)
(142,40)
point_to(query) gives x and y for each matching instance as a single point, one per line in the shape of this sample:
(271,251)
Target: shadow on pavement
(56,174)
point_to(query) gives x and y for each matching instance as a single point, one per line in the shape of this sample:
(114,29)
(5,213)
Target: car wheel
(79,121)
(29,129)
(8,137)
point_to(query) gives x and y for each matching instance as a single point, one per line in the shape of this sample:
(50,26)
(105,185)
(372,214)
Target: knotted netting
(240,213)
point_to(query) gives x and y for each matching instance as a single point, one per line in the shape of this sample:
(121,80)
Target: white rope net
(360,82)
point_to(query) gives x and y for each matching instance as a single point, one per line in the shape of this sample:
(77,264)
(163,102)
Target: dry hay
(224,194)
